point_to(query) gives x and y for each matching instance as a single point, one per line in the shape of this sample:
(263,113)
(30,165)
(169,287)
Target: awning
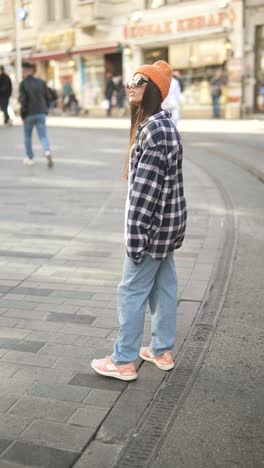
(108,48)
(49,55)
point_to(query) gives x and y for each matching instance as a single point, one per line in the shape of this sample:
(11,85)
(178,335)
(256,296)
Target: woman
(155,226)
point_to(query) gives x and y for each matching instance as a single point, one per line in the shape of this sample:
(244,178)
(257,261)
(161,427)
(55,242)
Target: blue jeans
(38,120)
(216,107)
(154,281)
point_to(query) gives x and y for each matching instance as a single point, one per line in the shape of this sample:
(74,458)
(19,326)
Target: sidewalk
(59,273)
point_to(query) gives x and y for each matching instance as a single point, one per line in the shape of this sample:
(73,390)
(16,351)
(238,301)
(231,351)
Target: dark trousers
(3,106)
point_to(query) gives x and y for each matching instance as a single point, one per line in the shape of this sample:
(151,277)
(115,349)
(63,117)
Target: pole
(18,45)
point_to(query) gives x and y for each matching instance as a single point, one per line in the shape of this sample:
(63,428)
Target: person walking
(155,224)
(5,93)
(173,100)
(109,89)
(34,100)
(217,83)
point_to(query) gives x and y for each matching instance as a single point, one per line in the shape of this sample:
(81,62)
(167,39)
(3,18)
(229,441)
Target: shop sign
(63,40)
(151,29)
(206,21)
(211,20)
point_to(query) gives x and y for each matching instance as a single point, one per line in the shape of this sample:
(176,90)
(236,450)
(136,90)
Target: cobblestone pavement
(61,256)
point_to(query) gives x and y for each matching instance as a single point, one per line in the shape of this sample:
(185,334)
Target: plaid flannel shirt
(157,213)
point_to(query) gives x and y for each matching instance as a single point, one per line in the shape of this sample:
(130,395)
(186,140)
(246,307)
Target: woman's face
(136,93)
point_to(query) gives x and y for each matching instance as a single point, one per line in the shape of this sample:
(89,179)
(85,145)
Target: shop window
(66,9)
(50,10)
(259,69)
(152,55)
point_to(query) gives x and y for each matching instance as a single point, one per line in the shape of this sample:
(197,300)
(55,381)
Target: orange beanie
(160,73)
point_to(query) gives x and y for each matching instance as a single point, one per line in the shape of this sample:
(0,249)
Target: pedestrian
(155,226)
(172,102)
(109,90)
(121,95)
(217,83)
(34,100)
(5,93)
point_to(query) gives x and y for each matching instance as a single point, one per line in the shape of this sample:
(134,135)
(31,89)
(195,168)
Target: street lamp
(20,15)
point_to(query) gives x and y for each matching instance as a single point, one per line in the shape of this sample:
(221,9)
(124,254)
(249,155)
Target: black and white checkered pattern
(157,208)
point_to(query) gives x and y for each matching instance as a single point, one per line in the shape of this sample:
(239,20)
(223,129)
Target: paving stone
(58,435)
(41,408)
(61,392)
(30,359)
(6,332)
(32,454)
(52,337)
(89,417)
(73,294)
(97,381)
(65,309)
(39,325)
(122,421)
(12,425)
(77,365)
(99,455)
(85,330)
(66,350)
(4,443)
(19,345)
(24,314)
(7,400)
(103,398)
(17,304)
(4,289)
(195,290)
(11,385)
(42,374)
(33,291)
(60,317)
(8,322)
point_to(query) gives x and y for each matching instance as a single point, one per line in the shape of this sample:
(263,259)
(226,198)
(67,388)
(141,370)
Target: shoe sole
(164,367)
(115,376)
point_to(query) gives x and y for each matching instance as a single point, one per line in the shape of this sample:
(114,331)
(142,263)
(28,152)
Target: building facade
(254,57)
(77,41)
(196,38)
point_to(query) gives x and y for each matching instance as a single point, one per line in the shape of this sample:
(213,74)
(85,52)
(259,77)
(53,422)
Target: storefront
(92,64)
(195,45)
(54,62)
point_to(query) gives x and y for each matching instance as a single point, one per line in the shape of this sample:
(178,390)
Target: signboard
(193,23)
(63,40)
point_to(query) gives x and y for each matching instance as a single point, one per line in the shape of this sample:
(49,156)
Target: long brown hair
(150,105)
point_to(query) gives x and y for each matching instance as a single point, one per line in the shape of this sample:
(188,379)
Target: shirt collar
(159,115)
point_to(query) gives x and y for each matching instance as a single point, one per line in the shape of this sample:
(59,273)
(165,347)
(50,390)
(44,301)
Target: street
(61,258)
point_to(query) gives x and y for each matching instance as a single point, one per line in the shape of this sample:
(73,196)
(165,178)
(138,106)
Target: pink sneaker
(119,371)
(163,362)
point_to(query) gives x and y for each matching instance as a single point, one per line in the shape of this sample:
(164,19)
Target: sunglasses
(137,83)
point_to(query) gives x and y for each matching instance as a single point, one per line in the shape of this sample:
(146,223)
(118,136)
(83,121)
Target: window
(66,9)
(50,10)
